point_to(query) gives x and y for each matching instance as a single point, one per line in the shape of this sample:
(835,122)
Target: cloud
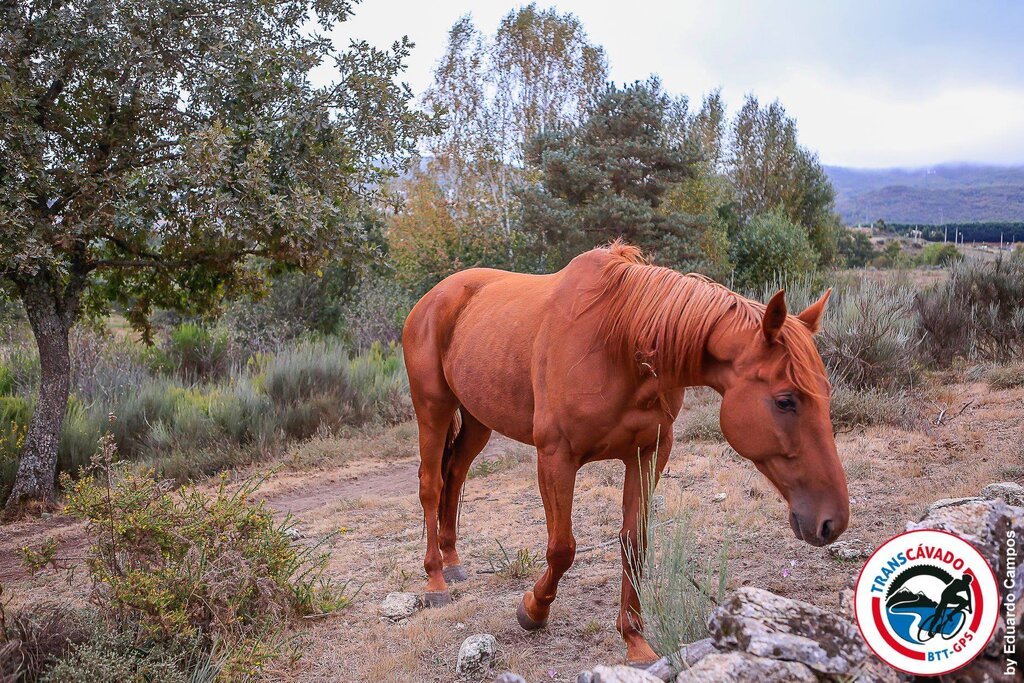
(871,82)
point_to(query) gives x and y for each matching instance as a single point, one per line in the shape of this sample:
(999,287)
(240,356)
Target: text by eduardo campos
(1010,589)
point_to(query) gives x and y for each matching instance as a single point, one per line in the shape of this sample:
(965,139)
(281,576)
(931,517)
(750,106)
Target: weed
(517,566)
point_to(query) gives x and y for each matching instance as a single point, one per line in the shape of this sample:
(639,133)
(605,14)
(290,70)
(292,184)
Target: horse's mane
(663,318)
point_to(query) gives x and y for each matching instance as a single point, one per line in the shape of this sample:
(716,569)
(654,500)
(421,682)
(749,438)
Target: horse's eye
(786,404)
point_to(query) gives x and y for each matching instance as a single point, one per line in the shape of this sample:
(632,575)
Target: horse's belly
(487,366)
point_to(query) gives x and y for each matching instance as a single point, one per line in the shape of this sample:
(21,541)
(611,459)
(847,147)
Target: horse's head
(775,412)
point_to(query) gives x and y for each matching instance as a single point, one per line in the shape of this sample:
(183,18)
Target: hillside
(932,195)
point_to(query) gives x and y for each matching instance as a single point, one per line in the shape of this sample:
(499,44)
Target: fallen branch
(942,414)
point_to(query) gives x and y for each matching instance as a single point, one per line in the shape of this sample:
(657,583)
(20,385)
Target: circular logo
(926,602)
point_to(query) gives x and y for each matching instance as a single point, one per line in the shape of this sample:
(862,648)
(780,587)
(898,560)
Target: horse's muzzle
(817,533)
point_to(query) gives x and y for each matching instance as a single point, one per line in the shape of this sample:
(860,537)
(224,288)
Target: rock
(688,655)
(616,674)
(476,654)
(851,549)
(396,608)
(1011,492)
(719,497)
(950,502)
(846,604)
(509,677)
(740,667)
(293,533)
(980,522)
(763,624)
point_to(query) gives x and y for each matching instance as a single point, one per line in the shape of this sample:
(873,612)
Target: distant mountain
(951,193)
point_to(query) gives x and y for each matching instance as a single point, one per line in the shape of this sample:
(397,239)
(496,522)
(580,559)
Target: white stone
(617,674)
(851,549)
(1009,491)
(397,607)
(476,654)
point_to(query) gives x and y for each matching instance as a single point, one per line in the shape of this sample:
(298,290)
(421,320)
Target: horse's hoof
(437,598)
(524,619)
(454,573)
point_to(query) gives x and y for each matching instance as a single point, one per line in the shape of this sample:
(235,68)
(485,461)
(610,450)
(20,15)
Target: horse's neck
(721,348)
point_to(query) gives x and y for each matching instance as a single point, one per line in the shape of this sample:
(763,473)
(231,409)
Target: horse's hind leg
(471,439)
(433,428)
(435,406)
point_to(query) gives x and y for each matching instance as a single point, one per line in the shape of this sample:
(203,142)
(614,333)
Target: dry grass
(366,485)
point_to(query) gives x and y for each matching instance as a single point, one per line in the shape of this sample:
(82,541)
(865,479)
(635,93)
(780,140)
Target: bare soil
(364,487)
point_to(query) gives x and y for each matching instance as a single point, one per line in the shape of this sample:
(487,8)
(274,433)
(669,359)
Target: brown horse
(590,363)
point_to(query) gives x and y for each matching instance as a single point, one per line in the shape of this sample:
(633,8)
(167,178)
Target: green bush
(242,412)
(315,383)
(376,313)
(172,564)
(940,254)
(768,247)
(7,385)
(82,429)
(194,353)
(868,337)
(977,314)
(15,414)
(112,656)
(679,586)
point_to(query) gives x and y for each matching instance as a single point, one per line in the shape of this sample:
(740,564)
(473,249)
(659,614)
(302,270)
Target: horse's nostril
(826,530)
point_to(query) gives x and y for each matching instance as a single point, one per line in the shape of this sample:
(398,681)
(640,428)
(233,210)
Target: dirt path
(300,494)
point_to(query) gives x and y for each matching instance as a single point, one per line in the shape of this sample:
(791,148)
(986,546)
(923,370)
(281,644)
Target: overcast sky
(872,83)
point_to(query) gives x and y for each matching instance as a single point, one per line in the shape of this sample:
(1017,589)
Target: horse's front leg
(640,481)
(556,473)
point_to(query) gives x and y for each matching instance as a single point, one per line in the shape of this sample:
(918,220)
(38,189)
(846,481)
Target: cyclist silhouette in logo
(951,604)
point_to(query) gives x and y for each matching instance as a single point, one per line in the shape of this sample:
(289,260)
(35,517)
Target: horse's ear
(774,316)
(812,314)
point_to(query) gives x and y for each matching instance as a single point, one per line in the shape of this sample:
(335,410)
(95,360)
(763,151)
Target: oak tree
(160,152)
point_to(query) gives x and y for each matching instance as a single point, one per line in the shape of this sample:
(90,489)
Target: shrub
(169,564)
(15,414)
(1005,376)
(868,338)
(516,565)
(701,423)
(871,406)
(770,246)
(22,363)
(105,368)
(376,313)
(315,383)
(195,352)
(940,254)
(977,314)
(380,383)
(114,657)
(7,385)
(679,586)
(242,412)
(82,428)
(33,640)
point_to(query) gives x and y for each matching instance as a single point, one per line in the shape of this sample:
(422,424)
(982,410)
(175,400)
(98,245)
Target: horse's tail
(454,428)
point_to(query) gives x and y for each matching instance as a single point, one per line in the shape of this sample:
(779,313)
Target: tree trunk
(38,466)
